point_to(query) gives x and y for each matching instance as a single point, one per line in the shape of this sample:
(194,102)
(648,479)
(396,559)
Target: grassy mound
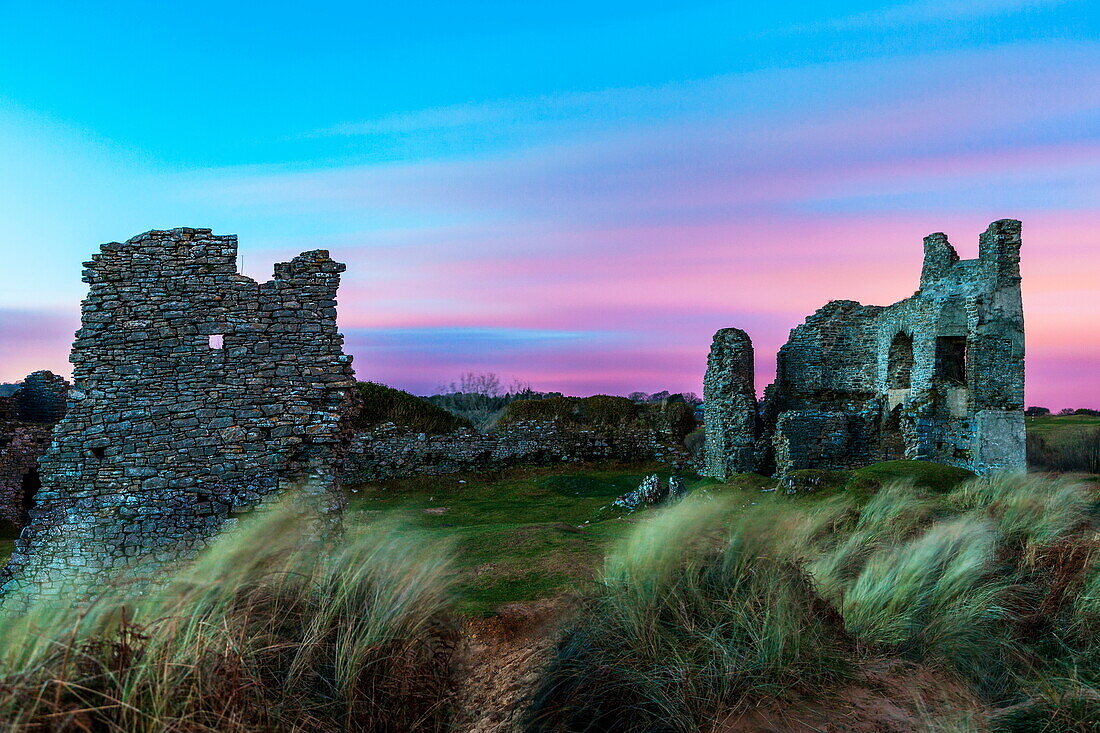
(679,627)
(380,404)
(935,476)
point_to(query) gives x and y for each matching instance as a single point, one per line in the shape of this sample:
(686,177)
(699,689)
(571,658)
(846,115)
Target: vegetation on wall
(481,397)
(603,412)
(381,404)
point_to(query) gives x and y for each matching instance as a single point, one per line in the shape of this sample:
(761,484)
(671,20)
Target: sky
(575,194)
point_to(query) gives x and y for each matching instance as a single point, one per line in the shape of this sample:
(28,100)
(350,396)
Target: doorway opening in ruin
(951,359)
(899,373)
(30,486)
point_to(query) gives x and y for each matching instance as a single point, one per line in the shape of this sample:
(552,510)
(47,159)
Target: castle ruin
(198,395)
(938,376)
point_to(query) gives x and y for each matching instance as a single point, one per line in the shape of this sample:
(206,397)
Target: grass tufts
(266,630)
(683,623)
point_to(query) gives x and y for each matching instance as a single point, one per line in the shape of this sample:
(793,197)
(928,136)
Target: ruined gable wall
(823,410)
(166,437)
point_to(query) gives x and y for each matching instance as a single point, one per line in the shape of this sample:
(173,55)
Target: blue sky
(576,193)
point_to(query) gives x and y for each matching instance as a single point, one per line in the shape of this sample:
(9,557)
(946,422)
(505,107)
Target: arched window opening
(900,370)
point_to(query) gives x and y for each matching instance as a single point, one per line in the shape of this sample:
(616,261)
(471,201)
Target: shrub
(681,625)
(380,404)
(553,409)
(264,631)
(696,443)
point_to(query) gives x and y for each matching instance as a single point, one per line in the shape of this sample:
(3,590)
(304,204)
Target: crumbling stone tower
(730,418)
(198,394)
(938,376)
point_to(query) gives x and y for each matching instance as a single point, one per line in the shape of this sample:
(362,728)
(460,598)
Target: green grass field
(1053,427)
(521,535)
(529,533)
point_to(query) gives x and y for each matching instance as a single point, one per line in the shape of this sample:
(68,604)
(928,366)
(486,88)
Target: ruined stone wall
(198,394)
(389,451)
(937,376)
(41,397)
(26,422)
(729,393)
(21,445)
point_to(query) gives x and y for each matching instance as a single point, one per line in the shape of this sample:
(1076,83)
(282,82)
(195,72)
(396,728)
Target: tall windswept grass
(896,512)
(690,616)
(267,630)
(935,597)
(1032,510)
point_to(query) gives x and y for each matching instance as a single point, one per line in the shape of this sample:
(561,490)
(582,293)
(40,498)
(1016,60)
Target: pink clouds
(602,253)
(34,340)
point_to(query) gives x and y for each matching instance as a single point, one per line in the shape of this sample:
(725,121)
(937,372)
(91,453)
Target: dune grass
(683,622)
(996,582)
(267,630)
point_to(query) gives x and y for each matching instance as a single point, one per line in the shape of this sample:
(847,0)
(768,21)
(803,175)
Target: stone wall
(198,394)
(389,451)
(27,418)
(938,376)
(41,397)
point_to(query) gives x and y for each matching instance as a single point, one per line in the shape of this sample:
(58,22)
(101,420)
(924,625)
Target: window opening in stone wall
(216,340)
(951,359)
(900,366)
(99,453)
(30,485)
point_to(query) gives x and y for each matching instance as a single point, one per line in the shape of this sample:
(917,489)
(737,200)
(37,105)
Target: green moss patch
(934,476)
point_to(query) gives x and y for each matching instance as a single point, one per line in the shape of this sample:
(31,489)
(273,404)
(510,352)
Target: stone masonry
(26,422)
(388,451)
(198,394)
(938,376)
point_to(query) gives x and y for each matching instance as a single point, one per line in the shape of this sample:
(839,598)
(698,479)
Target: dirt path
(497,661)
(886,696)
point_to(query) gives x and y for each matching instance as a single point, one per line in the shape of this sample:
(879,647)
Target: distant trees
(1036,411)
(481,397)
(646,398)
